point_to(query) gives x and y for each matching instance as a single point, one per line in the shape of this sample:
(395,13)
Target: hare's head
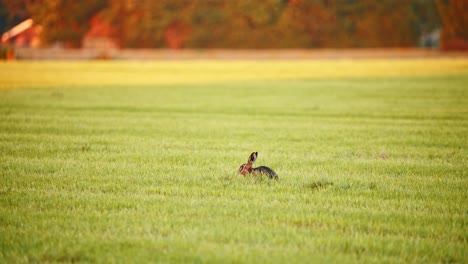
(247,167)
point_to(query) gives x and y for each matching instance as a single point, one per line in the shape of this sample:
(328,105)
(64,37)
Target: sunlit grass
(60,74)
(143,169)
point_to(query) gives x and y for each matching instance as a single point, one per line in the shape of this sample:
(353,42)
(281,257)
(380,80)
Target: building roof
(18,29)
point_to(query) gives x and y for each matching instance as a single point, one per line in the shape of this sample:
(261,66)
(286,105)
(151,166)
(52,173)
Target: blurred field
(136,162)
(123,73)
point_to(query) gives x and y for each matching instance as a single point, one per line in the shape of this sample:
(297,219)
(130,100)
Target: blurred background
(111,25)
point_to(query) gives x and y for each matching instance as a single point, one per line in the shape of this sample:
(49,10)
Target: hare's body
(248,168)
(265,170)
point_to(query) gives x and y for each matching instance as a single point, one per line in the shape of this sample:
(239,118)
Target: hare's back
(265,170)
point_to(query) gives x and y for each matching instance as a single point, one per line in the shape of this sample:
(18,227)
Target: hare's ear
(253,157)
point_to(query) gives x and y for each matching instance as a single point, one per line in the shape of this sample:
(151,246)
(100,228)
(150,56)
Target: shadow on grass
(318,185)
(251,179)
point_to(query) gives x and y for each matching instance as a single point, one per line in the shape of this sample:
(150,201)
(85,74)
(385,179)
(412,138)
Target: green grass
(112,162)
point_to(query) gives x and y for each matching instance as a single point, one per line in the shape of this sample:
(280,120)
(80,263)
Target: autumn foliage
(248,24)
(454,16)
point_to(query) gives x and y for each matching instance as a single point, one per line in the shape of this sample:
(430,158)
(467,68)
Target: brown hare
(248,168)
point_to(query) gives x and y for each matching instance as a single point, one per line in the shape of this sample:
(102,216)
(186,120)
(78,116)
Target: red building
(25,34)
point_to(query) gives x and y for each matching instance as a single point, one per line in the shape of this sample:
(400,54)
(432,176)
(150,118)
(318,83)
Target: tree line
(241,23)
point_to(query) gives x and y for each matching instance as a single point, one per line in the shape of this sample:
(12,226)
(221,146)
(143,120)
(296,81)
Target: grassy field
(137,162)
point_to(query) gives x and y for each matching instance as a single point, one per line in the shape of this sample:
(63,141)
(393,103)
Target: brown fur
(247,168)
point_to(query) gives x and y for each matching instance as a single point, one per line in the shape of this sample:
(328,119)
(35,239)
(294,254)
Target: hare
(248,168)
